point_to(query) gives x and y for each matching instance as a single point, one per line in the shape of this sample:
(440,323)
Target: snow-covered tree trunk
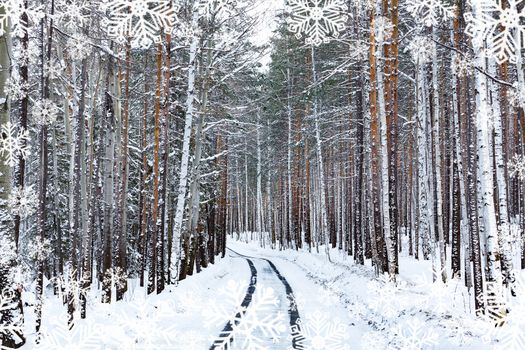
(185,157)
(289,160)
(503,215)
(385,185)
(320,162)
(437,161)
(109,152)
(154,241)
(259,182)
(485,168)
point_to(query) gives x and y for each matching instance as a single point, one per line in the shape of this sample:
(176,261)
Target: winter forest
(262,174)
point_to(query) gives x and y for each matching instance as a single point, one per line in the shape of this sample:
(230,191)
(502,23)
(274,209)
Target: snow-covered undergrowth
(175,319)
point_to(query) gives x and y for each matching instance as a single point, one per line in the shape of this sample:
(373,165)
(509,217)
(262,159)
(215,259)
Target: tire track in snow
(224,337)
(292,308)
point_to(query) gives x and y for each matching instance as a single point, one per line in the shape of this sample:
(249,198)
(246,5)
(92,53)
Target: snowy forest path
(264,274)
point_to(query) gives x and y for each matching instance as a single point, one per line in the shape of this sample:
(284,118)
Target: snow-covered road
(266,277)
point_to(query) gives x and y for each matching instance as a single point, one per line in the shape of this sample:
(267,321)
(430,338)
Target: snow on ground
(340,306)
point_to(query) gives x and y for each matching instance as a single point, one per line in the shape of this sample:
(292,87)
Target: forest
(262,174)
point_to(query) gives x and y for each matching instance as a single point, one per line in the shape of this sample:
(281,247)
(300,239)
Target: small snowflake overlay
(78,47)
(319,331)
(430,12)
(383,27)
(387,297)
(414,334)
(23,201)
(320,296)
(516,167)
(14,143)
(13,327)
(144,324)
(501,23)
(15,89)
(517,95)
(143,22)
(251,327)
(215,8)
(373,341)
(421,49)
(12,13)
(433,294)
(317,20)
(462,65)
(45,112)
(72,13)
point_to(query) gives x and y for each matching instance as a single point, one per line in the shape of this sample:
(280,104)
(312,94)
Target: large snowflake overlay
(13,15)
(317,20)
(13,143)
(501,23)
(215,8)
(81,335)
(23,201)
(12,327)
(414,334)
(318,331)
(251,326)
(430,12)
(142,21)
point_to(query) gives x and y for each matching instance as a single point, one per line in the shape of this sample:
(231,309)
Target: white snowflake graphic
(15,89)
(430,12)
(251,327)
(501,23)
(387,296)
(383,26)
(320,295)
(13,143)
(435,295)
(462,65)
(69,284)
(13,16)
(317,20)
(318,331)
(81,335)
(421,49)
(145,324)
(72,13)
(45,112)
(23,201)
(415,334)
(503,318)
(78,47)
(13,326)
(215,8)
(373,341)
(516,167)
(142,21)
